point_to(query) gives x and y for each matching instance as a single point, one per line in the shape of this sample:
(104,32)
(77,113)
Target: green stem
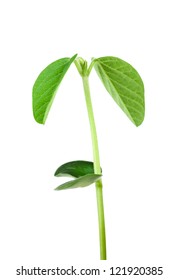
(97,169)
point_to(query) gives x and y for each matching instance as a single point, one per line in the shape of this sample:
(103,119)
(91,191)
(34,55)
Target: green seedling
(124,85)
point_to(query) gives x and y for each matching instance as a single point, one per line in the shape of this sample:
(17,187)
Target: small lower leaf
(83,181)
(75,169)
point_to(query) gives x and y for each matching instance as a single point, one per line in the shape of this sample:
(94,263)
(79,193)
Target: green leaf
(83,181)
(124,84)
(80,169)
(46,85)
(75,169)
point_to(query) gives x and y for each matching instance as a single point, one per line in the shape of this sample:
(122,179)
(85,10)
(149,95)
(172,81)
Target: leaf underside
(83,181)
(46,85)
(80,169)
(124,84)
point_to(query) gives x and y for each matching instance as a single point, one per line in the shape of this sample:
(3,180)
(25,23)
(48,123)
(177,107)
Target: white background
(41,227)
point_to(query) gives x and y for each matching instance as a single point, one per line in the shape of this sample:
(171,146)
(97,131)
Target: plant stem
(97,169)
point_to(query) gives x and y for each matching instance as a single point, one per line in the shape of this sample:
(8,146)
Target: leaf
(124,84)
(46,85)
(80,169)
(83,181)
(75,169)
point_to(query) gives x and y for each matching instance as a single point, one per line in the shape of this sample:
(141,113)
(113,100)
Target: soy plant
(126,88)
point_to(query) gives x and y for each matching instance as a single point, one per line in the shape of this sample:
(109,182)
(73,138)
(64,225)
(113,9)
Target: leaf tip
(38,120)
(56,174)
(139,123)
(73,57)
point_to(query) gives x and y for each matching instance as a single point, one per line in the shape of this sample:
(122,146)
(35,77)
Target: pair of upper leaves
(120,79)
